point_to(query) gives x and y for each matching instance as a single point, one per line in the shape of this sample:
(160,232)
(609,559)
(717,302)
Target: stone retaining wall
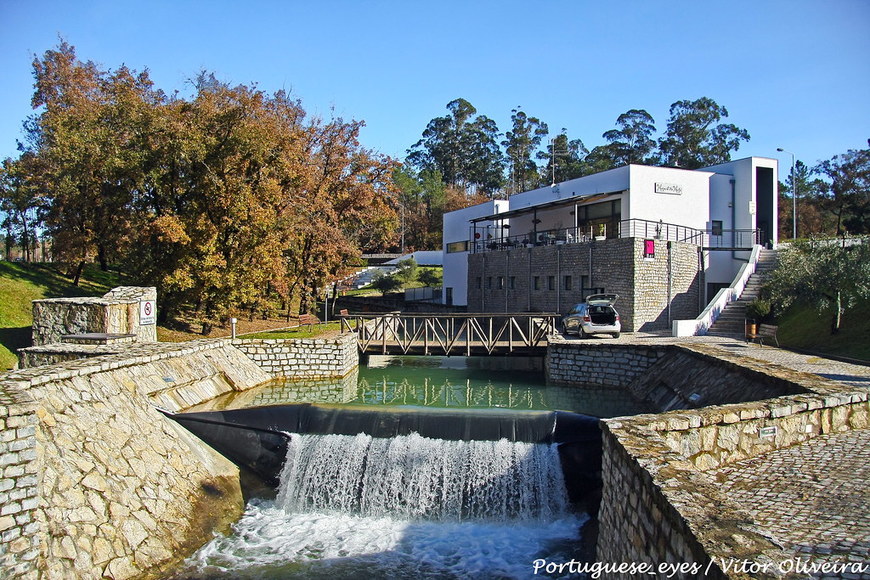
(95,481)
(658,503)
(310,358)
(607,365)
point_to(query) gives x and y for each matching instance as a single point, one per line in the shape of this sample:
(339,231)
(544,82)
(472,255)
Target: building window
(551,282)
(454,247)
(512,282)
(716,230)
(536,282)
(501,282)
(568,282)
(479,282)
(488,282)
(649,249)
(584,282)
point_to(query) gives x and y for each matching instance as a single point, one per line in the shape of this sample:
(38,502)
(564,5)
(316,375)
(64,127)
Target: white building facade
(723,210)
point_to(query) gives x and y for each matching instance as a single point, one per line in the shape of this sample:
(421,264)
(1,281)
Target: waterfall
(405,507)
(414,477)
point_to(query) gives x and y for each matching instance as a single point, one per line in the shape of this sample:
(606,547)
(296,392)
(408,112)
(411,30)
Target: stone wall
(659,504)
(694,375)
(652,290)
(117,312)
(95,481)
(311,358)
(606,365)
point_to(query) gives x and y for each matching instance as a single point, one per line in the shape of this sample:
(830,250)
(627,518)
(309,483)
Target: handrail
(631,228)
(700,325)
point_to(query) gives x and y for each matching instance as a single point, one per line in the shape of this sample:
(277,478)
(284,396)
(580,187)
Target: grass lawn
(803,327)
(20,283)
(317,330)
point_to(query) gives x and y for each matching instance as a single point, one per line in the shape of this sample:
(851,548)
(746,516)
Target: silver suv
(595,316)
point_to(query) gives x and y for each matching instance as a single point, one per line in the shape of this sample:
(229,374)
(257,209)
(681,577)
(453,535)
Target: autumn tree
(223,201)
(696,137)
(88,141)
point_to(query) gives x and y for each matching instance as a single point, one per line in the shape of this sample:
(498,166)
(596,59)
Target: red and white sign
(147,312)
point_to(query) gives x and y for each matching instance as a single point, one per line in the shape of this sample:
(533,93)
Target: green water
(443,382)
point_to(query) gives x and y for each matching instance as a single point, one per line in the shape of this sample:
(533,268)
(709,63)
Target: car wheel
(615,335)
(582,333)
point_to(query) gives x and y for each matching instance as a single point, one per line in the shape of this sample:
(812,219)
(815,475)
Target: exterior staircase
(731,322)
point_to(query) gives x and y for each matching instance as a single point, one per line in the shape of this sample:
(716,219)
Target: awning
(566,202)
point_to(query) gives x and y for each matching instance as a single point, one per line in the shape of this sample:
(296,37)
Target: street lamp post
(793,194)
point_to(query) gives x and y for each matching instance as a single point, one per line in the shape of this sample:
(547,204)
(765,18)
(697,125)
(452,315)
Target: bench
(308,319)
(764,331)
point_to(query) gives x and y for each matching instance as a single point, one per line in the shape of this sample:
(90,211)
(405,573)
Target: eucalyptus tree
(814,215)
(633,140)
(846,188)
(564,159)
(696,137)
(521,143)
(463,148)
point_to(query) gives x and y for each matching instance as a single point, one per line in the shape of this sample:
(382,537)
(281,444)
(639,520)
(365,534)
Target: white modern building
(722,210)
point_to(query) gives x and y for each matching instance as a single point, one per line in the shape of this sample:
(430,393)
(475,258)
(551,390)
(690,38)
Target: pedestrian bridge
(452,334)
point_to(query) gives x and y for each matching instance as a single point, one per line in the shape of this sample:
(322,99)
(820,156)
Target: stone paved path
(812,499)
(851,374)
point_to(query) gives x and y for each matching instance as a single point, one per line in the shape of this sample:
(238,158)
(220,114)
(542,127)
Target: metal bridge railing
(450,334)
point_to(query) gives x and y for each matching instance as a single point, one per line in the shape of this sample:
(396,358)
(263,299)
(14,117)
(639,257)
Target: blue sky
(795,74)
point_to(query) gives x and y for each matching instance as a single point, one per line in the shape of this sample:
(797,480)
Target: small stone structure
(71,328)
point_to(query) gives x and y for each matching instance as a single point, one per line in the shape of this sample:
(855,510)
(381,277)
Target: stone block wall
(303,358)
(554,278)
(19,485)
(696,375)
(607,365)
(95,481)
(330,391)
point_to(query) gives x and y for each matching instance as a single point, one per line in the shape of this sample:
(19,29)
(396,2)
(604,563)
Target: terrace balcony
(714,239)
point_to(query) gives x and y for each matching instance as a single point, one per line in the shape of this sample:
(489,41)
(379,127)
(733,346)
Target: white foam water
(406,507)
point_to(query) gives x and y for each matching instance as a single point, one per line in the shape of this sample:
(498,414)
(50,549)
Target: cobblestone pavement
(812,499)
(850,374)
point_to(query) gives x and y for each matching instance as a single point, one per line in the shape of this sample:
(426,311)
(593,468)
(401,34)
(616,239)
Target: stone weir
(257,438)
(96,482)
